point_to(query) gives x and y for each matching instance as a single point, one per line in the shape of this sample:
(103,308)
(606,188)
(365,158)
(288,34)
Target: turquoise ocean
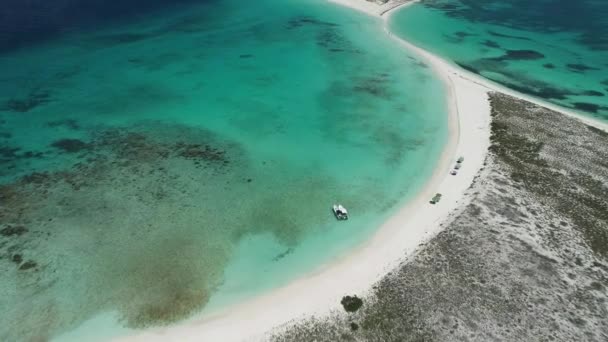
(168,163)
(553,50)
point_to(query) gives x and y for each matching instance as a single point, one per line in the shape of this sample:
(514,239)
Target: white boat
(340,212)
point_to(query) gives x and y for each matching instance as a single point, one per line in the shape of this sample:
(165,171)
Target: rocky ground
(525,260)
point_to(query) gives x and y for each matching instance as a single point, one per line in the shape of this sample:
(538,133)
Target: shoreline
(319,293)
(385,11)
(396,240)
(455,70)
(469,112)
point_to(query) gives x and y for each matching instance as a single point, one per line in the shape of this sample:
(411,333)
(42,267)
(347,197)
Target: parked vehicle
(436,198)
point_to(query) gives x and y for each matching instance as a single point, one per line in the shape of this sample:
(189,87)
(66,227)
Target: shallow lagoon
(553,50)
(171,165)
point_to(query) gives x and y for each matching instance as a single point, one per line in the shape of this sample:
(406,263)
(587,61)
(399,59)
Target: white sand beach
(399,237)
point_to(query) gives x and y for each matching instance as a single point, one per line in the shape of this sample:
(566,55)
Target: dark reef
(8,153)
(491,44)
(303,21)
(577,67)
(70,145)
(587,107)
(502,35)
(68,123)
(28,265)
(462,34)
(593,93)
(17,259)
(536,16)
(468,67)
(31,101)
(10,230)
(525,84)
(148,166)
(519,55)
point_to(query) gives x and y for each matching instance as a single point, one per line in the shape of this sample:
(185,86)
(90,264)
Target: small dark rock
(549,66)
(351,304)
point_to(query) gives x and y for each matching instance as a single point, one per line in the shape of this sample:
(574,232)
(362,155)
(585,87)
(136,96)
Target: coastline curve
(397,239)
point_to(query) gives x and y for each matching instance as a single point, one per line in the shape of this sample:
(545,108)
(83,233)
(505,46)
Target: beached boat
(340,212)
(460,160)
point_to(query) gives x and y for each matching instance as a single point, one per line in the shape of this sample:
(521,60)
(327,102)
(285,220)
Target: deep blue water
(28,21)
